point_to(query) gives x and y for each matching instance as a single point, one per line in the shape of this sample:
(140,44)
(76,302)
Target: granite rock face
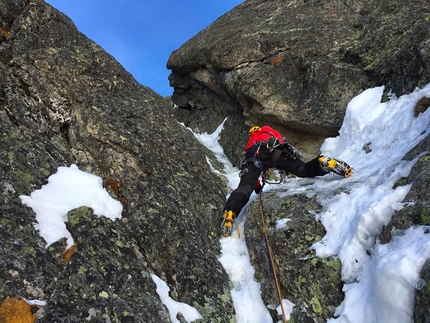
(65,101)
(296,65)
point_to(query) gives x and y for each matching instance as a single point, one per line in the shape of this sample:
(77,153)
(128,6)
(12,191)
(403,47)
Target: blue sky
(141,34)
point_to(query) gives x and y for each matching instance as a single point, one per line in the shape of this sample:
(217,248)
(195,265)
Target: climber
(266,149)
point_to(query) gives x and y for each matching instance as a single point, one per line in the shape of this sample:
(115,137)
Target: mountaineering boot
(330,164)
(227,223)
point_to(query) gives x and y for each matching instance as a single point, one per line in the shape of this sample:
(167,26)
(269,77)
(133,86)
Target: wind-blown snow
(66,190)
(189,313)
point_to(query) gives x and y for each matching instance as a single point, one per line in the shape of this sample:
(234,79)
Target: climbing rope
(269,252)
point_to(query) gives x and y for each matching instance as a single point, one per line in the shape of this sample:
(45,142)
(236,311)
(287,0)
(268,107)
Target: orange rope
(271,259)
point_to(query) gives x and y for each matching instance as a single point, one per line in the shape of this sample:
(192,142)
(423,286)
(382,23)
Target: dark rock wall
(296,64)
(64,100)
(311,283)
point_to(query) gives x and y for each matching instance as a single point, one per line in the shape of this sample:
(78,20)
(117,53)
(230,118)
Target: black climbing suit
(275,159)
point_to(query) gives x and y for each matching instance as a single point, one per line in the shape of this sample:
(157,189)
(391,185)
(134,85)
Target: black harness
(274,147)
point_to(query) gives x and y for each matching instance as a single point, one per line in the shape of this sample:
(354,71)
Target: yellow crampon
(227,224)
(337,166)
